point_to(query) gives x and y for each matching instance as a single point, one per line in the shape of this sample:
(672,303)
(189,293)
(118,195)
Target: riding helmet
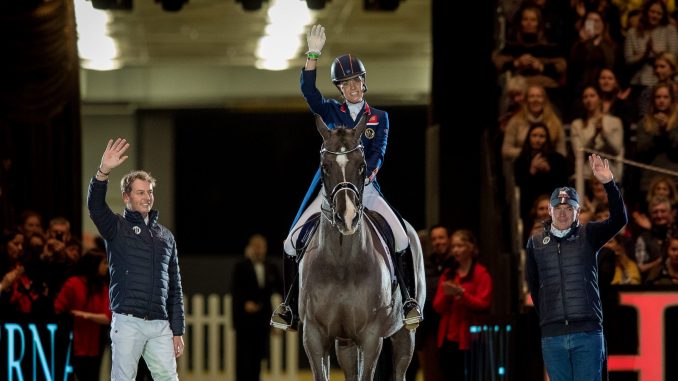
(347,67)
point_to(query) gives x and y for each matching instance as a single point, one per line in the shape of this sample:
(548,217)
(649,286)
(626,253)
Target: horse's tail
(385,371)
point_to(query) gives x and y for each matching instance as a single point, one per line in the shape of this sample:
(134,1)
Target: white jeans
(131,338)
(371,199)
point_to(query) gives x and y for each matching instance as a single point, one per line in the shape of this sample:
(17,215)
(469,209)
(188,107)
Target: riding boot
(286,315)
(404,265)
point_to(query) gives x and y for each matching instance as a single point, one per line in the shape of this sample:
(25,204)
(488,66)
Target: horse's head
(342,163)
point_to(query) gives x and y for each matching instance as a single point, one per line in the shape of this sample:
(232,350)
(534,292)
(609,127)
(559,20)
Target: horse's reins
(344,185)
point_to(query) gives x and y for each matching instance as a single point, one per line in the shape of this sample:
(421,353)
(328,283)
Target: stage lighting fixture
(172,5)
(124,5)
(250,5)
(381,5)
(316,4)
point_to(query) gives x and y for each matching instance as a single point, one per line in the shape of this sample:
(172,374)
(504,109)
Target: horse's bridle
(344,185)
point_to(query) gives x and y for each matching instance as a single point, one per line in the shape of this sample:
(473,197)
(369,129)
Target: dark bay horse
(346,294)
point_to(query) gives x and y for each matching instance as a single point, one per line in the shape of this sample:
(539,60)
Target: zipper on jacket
(150,294)
(562,283)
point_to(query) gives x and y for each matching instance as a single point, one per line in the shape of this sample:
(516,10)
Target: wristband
(102,172)
(313,55)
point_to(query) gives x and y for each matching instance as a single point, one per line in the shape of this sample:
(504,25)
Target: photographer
(61,253)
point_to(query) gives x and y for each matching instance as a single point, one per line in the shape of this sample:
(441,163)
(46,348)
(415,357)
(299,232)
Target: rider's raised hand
(113,155)
(316,39)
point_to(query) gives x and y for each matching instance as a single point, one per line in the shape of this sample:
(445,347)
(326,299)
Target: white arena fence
(210,343)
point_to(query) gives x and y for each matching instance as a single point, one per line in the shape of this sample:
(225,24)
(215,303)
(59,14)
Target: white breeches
(371,199)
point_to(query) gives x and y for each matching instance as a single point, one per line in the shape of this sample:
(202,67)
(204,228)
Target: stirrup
(412,313)
(284,319)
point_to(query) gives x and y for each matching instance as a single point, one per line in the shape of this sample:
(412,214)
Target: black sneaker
(284,319)
(412,314)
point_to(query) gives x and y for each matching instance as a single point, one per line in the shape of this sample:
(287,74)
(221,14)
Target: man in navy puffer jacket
(562,274)
(145,289)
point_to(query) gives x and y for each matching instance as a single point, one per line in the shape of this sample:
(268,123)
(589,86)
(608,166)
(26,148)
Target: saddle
(386,238)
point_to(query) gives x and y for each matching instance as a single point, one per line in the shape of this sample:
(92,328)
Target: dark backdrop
(240,172)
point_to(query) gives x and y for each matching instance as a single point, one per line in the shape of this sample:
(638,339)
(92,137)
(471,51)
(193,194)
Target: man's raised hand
(600,168)
(113,155)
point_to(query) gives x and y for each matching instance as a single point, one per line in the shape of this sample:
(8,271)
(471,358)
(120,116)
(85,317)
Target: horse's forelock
(341,136)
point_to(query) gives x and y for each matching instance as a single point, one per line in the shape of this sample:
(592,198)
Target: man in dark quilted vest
(145,289)
(562,274)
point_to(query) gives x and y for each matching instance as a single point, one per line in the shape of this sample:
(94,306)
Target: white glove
(316,39)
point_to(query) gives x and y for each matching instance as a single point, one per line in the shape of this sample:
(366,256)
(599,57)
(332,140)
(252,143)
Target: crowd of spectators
(595,75)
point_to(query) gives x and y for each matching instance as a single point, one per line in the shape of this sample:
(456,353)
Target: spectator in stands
(667,273)
(555,24)
(598,198)
(540,209)
(30,295)
(538,169)
(255,279)
(561,270)
(598,131)
(530,54)
(607,9)
(515,91)
(61,254)
(657,142)
(626,270)
(662,186)
(650,244)
(616,101)
(11,267)
(464,294)
(85,297)
(437,260)
(536,109)
(30,222)
(632,20)
(653,35)
(594,51)
(538,214)
(665,68)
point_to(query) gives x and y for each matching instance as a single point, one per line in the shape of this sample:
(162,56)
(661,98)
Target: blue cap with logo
(565,195)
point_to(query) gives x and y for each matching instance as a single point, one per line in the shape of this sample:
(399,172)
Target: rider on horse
(348,75)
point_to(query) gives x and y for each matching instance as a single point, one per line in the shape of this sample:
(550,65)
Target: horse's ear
(322,127)
(360,127)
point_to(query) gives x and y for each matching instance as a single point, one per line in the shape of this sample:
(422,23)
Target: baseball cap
(565,195)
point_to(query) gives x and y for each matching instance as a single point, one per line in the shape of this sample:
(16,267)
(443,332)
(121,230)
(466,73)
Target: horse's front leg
(370,353)
(317,347)
(347,356)
(403,346)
